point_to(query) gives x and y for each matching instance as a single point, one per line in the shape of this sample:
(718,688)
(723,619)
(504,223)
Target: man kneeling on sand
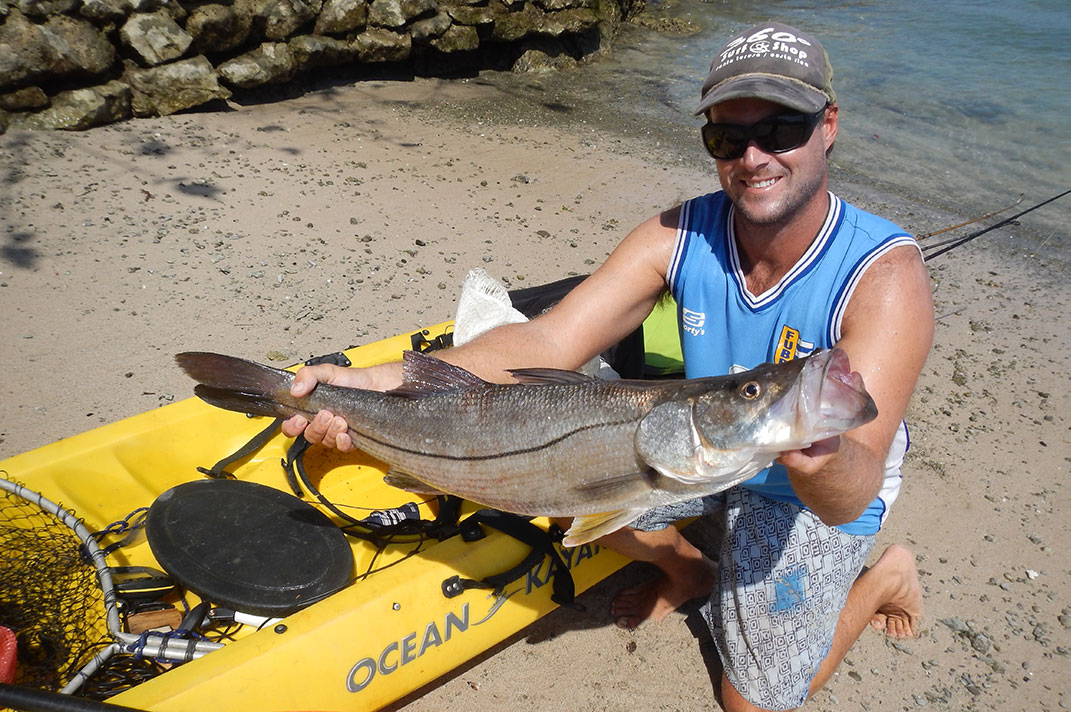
(770,268)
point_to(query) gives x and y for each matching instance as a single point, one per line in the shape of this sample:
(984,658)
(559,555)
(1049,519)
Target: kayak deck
(390,632)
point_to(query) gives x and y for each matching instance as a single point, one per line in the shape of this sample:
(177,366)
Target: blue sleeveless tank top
(724,328)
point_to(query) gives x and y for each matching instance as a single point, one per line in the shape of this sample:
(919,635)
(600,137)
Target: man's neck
(769,250)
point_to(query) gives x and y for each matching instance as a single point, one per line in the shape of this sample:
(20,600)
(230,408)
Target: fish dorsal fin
(424,375)
(592,526)
(548,376)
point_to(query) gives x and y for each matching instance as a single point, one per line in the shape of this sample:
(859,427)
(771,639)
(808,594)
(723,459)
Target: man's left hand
(812,459)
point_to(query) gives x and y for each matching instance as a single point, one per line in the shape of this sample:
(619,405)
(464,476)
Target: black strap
(422,344)
(520,528)
(445,524)
(219,469)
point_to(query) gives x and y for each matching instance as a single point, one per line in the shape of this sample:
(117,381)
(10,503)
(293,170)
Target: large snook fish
(561,444)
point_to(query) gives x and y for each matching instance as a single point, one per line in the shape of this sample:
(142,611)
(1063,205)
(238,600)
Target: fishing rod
(969,222)
(952,244)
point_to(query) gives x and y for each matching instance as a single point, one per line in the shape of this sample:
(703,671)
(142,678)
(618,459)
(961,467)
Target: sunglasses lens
(776,134)
(725,141)
(786,134)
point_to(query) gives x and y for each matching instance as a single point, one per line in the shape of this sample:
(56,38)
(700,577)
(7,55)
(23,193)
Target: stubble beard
(781,210)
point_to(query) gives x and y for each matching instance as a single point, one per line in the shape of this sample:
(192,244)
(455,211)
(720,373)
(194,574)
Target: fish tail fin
(239,385)
(592,526)
(248,403)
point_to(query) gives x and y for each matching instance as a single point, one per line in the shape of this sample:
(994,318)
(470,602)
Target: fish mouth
(832,397)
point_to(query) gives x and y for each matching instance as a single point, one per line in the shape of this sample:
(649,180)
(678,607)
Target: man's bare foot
(900,615)
(656,599)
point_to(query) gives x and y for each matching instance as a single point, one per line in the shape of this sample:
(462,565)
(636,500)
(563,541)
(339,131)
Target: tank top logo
(693,321)
(791,346)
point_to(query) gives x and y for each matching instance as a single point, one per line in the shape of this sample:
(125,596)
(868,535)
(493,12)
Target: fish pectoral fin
(592,526)
(409,483)
(687,477)
(615,487)
(548,376)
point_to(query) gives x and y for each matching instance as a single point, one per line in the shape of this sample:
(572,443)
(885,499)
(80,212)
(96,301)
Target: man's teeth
(762,183)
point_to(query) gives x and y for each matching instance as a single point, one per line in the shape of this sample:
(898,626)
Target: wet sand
(278,231)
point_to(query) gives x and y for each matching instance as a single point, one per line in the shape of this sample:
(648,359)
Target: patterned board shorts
(783,578)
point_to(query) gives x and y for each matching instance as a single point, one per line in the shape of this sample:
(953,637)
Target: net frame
(160,646)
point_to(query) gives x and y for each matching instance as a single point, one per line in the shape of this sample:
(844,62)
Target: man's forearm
(839,486)
(509,346)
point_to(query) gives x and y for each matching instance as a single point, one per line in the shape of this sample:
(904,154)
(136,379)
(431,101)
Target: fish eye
(751,390)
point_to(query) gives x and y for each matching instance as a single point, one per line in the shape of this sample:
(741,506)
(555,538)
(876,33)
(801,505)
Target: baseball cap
(774,62)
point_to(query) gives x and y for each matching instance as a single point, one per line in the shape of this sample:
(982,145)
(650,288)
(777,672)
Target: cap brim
(779,90)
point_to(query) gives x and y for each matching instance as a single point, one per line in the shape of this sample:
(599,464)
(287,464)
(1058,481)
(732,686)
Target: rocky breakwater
(73,64)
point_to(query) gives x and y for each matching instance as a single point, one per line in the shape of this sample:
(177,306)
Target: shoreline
(351,213)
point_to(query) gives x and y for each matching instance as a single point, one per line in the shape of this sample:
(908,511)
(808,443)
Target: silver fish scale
(528,449)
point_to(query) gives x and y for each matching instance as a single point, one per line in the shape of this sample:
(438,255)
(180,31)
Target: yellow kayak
(402,617)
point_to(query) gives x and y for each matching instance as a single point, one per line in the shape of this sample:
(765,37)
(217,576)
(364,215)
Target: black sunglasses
(774,134)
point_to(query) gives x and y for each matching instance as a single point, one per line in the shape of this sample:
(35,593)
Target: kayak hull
(382,637)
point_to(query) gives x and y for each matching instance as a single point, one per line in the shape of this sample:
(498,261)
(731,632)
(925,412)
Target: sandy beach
(279,231)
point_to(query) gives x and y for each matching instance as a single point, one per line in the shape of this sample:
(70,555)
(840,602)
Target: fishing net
(49,595)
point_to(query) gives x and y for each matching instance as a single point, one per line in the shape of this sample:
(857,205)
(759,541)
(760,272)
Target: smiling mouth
(760,183)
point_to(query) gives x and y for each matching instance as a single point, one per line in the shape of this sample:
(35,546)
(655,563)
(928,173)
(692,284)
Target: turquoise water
(959,104)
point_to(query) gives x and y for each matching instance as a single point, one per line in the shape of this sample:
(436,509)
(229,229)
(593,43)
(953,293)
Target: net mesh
(49,596)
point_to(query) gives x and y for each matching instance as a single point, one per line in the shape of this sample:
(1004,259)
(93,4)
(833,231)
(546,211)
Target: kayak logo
(404,651)
(693,321)
(538,576)
(398,653)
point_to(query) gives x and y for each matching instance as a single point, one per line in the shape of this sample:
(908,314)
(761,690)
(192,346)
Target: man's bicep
(619,295)
(887,332)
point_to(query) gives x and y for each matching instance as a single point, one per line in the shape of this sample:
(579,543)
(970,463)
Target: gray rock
(464,15)
(341,16)
(83,108)
(155,37)
(955,624)
(430,28)
(131,6)
(377,45)
(396,13)
(312,51)
(543,55)
(61,47)
(103,12)
(163,90)
(25,99)
(270,63)
(513,26)
(279,19)
(569,22)
(458,38)
(45,8)
(218,28)
(564,4)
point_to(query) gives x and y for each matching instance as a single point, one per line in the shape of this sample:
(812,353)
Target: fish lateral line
(490,456)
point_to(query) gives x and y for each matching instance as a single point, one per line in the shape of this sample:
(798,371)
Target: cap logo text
(767,41)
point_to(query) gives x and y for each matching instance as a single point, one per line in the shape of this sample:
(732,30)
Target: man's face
(769,188)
